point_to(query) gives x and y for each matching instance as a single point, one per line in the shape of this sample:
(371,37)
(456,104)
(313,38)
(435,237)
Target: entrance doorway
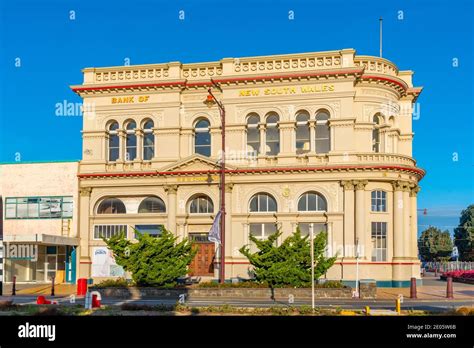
(203,262)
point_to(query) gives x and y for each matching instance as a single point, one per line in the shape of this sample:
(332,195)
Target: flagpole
(222,181)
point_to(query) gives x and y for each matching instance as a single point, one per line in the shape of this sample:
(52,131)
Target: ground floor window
(152,230)
(379,241)
(305,228)
(261,231)
(108,231)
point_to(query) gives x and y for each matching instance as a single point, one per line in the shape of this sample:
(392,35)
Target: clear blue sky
(53,49)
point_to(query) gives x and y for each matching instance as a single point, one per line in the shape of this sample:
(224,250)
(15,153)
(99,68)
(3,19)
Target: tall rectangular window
(379,241)
(379,201)
(261,231)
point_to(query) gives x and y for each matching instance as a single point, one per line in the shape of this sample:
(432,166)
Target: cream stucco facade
(332,127)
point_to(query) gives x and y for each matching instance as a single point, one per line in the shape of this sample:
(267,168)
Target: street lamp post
(210,101)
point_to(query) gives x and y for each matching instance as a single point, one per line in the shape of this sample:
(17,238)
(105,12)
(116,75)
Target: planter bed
(367,291)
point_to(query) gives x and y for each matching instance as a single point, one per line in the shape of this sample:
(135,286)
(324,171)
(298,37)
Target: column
(406,222)
(360,216)
(349,240)
(171,207)
(263,139)
(139,135)
(83,254)
(398,240)
(228,224)
(414,222)
(312,136)
(122,142)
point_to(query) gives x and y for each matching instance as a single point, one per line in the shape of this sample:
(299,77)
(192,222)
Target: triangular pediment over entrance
(194,163)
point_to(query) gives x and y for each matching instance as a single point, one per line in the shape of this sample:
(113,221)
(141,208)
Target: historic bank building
(319,140)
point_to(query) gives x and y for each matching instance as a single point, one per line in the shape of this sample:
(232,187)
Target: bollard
(1,288)
(52,285)
(14,286)
(436,272)
(413,287)
(449,288)
(397,305)
(367,310)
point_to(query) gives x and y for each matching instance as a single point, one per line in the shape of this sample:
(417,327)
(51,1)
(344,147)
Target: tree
(152,261)
(435,245)
(464,234)
(290,263)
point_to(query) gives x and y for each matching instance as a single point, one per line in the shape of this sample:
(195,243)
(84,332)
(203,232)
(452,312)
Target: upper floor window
(152,205)
(253,134)
(379,200)
(114,143)
(379,241)
(111,206)
(322,132)
(376,133)
(201,204)
(202,138)
(131,141)
(38,207)
(312,201)
(148,141)
(263,203)
(272,135)
(302,133)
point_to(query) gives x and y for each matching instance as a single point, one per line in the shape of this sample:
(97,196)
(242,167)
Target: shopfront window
(38,207)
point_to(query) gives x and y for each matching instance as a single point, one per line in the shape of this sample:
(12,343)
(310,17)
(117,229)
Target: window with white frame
(302,133)
(376,133)
(201,204)
(202,138)
(379,200)
(148,141)
(263,203)
(272,135)
(260,231)
(312,201)
(131,141)
(379,241)
(114,142)
(318,227)
(253,135)
(323,144)
(108,231)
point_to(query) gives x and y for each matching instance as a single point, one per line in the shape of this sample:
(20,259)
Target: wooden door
(203,262)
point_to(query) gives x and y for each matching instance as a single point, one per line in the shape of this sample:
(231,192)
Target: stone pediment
(194,163)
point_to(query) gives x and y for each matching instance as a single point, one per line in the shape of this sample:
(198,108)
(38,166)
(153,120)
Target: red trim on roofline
(418,171)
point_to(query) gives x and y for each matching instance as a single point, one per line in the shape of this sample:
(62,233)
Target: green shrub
(113,283)
(153,261)
(288,264)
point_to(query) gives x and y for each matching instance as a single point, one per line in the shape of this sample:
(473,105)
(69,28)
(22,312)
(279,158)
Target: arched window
(131,141)
(111,206)
(322,132)
(253,134)
(376,133)
(312,201)
(148,141)
(379,200)
(302,133)
(202,138)
(201,204)
(114,143)
(272,135)
(263,202)
(152,205)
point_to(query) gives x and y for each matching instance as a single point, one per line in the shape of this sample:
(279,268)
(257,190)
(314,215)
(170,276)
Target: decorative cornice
(264,170)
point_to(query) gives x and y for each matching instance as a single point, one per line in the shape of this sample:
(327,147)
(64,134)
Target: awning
(40,238)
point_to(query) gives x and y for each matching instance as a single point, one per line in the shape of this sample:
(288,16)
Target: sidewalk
(432,289)
(40,289)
